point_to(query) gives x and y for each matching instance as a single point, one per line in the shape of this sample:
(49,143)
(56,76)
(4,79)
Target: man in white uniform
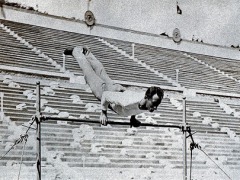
(114,96)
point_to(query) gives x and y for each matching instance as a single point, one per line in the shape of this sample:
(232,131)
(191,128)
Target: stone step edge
(35,72)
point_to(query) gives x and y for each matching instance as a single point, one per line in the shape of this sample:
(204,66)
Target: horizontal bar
(109,122)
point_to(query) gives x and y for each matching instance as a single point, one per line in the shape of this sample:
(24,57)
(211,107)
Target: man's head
(153,97)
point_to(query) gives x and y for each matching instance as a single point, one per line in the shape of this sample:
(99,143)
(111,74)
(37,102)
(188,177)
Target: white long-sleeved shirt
(123,103)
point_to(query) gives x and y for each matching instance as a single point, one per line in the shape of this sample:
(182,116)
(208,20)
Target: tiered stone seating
(165,143)
(54,42)
(157,148)
(211,109)
(229,66)
(236,107)
(16,54)
(192,74)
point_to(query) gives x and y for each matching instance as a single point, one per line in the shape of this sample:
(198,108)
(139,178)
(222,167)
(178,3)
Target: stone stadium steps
(105,137)
(168,150)
(207,86)
(21,117)
(16,54)
(71,105)
(48,41)
(111,150)
(186,74)
(56,129)
(125,45)
(17,59)
(56,145)
(119,173)
(201,77)
(75,110)
(204,107)
(165,110)
(235,106)
(161,143)
(133,154)
(216,113)
(198,76)
(229,66)
(26,163)
(91,160)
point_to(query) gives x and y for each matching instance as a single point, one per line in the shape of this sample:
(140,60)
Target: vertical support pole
(133,50)
(64,62)
(2,94)
(38,133)
(177,72)
(184,140)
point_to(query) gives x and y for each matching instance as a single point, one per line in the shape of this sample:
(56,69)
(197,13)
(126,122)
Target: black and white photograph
(119,90)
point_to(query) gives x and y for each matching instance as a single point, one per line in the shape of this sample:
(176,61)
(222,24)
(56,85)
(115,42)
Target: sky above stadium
(214,21)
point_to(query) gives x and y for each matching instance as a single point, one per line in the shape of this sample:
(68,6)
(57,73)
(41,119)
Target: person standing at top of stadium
(112,95)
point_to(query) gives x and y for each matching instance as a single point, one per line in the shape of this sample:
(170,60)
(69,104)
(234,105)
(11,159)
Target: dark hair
(154,90)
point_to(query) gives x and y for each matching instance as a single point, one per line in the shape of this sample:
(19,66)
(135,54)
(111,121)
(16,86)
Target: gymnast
(112,95)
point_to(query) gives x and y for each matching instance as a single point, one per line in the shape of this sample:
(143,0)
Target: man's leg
(101,72)
(98,67)
(96,84)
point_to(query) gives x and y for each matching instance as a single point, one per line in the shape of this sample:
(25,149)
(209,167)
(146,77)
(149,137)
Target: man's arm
(112,97)
(109,97)
(103,118)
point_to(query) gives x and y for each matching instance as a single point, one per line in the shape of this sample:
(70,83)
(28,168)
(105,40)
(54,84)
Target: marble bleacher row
(229,66)
(234,106)
(16,54)
(57,138)
(191,73)
(54,42)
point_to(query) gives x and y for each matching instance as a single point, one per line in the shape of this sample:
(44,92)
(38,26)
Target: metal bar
(184,140)
(109,122)
(41,118)
(177,72)
(38,132)
(2,94)
(133,50)
(64,62)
